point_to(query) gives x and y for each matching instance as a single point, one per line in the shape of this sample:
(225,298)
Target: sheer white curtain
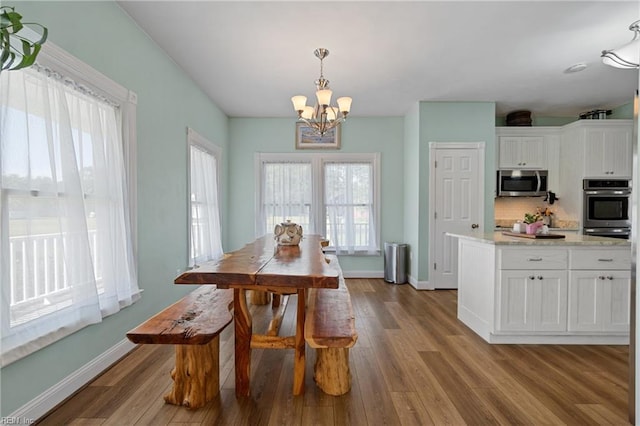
(286,195)
(67,256)
(206,241)
(349,204)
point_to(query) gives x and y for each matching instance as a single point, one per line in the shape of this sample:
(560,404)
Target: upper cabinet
(608,151)
(602,148)
(526,147)
(522,152)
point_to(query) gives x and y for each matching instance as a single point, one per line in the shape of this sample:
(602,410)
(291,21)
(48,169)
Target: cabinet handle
(531,277)
(601,277)
(610,278)
(605,260)
(540,277)
(535,259)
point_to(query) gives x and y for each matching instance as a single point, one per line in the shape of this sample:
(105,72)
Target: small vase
(532,228)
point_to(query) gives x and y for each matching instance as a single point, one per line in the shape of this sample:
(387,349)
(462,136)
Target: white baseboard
(420,285)
(49,399)
(363,274)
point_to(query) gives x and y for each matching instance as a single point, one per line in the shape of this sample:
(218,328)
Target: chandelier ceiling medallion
(628,55)
(322,117)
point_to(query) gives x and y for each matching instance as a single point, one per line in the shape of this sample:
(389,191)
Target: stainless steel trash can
(395,263)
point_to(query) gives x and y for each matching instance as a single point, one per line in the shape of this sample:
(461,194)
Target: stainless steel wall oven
(606,207)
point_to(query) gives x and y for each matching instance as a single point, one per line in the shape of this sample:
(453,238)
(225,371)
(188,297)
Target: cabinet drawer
(534,259)
(600,259)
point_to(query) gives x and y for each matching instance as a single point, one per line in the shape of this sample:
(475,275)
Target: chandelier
(322,117)
(628,55)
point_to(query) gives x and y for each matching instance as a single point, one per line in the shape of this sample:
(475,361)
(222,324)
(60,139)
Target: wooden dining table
(264,265)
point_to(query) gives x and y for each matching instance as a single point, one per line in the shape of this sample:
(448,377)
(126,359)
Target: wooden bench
(193,325)
(330,330)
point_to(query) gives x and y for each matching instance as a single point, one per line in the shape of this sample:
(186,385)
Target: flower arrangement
(532,217)
(533,222)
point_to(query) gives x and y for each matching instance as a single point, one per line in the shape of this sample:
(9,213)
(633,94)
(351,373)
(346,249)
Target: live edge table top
(263,263)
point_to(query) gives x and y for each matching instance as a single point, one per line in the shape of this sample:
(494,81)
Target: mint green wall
(375,134)
(453,122)
(103,36)
(622,112)
(412,187)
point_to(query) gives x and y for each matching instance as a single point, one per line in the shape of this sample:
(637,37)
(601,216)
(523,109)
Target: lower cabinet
(599,300)
(533,300)
(581,290)
(545,293)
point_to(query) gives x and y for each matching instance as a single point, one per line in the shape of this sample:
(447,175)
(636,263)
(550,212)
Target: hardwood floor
(414,364)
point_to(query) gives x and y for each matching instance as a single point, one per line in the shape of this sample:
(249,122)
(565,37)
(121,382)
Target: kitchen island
(574,290)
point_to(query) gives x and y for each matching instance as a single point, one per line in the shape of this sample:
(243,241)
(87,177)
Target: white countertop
(571,239)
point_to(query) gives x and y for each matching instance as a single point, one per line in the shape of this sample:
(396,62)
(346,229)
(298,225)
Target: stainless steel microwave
(522,183)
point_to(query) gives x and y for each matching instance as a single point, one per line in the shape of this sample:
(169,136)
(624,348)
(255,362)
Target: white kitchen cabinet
(534,300)
(525,291)
(591,149)
(599,301)
(522,152)
(607,152)
(599,290)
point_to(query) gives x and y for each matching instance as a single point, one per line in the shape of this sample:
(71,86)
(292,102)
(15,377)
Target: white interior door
(458,183)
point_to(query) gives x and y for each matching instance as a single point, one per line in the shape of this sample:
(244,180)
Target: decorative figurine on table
(288,233)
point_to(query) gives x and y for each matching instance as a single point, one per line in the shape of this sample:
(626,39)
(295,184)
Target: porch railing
(38,273)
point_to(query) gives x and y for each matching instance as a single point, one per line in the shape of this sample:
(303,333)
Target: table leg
(243,331)
(299,357)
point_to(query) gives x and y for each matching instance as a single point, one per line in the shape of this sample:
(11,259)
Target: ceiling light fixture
(323,117)
(626,56)
(576,68)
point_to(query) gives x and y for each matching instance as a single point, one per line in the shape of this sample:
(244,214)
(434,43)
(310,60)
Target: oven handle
(539,181)
(608,192)
(607,232)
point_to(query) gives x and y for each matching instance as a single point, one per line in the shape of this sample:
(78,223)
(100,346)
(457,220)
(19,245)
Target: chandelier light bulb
(308,112)
(299,102)
(332,113)
(344,103)
(324,97)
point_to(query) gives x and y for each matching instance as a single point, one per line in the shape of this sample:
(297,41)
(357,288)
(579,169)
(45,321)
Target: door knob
(475,226)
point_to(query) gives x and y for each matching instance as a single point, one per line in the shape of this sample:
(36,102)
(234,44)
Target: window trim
(57,60)
(196,139)
(317,161)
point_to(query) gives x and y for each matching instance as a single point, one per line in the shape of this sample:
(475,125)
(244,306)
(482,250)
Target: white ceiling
(251,57)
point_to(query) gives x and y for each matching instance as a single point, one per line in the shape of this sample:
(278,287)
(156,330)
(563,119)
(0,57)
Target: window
(205,239)
(286,189)
(67,236)
(335,195)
